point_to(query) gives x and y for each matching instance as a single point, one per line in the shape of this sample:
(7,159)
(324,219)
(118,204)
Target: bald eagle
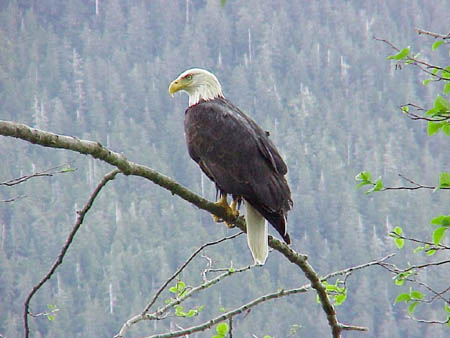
(238,156)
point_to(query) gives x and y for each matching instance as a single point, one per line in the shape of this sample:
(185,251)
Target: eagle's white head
(198,83)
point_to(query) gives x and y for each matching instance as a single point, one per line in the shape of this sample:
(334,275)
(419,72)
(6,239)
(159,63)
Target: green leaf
(222,309)
(444,180)
(443,220)
(180,285)
(447,307)
(222,329)
(399,281)
(438,234)
(362,184)
(416,295)
(442,104)
(403,297)
(51,317)
(432,112)
(418,249)
(399,242)
(339,299)
(431,252)
(433,127)
(223,2)
(446,128)
(438,220)
(191,313)
(446,73)
(364,176)
(173,289)
(378,185)
(179,311)
(446,90)
(436,44)
(412,307)
(217,336)
(67,170)
(266,336)
(426,81)
(398,230)
(404,52)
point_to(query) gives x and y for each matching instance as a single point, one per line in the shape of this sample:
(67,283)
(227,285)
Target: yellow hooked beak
(177,85)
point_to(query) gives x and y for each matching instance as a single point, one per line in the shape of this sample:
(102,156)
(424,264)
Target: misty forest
(105,220)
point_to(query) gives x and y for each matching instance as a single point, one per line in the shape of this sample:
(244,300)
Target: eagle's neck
(206,89)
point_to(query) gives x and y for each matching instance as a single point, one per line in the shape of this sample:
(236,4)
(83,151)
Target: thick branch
(59,260)
(96,150)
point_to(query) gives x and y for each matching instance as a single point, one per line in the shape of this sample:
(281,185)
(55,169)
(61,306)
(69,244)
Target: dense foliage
(307,71)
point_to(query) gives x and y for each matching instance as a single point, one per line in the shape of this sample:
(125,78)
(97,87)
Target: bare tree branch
(358,267)
(443,322)
(61,169)
(9,200)
(434,35)
(81,214)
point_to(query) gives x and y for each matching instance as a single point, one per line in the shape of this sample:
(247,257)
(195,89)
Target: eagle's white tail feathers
(256,234)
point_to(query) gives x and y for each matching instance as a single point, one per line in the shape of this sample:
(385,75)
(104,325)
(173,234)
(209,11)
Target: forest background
(310,72)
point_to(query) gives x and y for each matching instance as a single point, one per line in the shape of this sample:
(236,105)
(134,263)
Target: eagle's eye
(188,77)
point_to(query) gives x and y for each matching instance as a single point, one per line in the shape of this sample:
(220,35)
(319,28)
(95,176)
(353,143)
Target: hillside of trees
(309,72)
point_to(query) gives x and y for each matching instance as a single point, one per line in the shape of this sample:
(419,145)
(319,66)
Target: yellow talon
(222,202)
(231,211)
(234,210)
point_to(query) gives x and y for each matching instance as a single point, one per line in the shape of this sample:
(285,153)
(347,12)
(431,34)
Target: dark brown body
(236,154)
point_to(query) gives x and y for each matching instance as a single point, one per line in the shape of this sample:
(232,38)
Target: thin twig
(434,35)
(9,200)
(443,322)
(157,314)
(48,172)
(432,245)
(81,214)
(358,267)
(181,268)
(413,116)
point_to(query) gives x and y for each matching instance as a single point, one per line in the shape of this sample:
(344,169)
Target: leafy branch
(365,178)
